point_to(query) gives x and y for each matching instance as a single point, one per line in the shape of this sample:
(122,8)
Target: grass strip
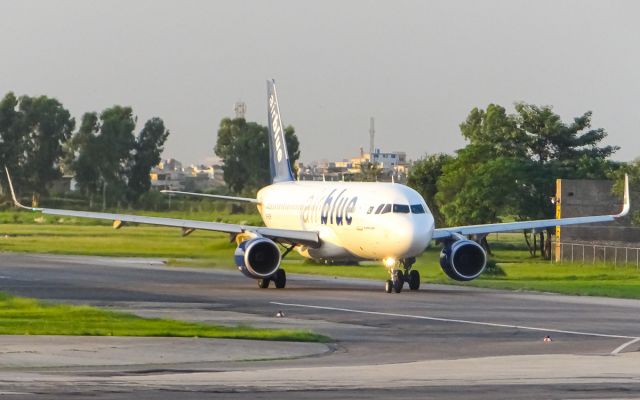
(24,316)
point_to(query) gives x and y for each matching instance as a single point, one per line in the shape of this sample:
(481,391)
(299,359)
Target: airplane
(339,222)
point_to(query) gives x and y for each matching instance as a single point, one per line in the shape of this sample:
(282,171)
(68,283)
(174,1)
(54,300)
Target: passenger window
(417,209)
(401,208)
(386,209)
(379,208)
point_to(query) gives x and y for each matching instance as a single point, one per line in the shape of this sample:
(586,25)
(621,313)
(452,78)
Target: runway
(443,341)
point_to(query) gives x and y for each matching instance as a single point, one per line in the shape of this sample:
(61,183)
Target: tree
(105,147)
(633,170)
(424,176)
(540,148)
(148,148)
(12,140)
(83,156)
(47,125)
(512,162)
(244,149)
(369,172)
(32,133)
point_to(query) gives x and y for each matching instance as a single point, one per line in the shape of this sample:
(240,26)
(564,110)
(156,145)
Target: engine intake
(463,260)
(258,257)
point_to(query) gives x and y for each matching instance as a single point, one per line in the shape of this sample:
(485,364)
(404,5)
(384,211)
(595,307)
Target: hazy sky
(418,67)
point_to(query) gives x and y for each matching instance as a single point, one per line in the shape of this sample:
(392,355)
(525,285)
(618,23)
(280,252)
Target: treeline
(40,141)
(244,149)
(510,165)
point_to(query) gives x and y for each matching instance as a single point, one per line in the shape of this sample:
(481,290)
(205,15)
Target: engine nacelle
(463,260)
(258,257)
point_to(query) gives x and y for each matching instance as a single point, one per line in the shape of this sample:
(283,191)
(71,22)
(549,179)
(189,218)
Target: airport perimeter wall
(611,242)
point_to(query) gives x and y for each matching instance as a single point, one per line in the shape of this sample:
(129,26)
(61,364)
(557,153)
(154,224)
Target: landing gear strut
(400,276)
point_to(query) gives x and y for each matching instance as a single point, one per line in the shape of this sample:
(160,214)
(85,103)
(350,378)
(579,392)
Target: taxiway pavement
(442,341)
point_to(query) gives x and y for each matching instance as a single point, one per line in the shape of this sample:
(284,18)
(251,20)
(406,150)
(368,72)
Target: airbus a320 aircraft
(340,222)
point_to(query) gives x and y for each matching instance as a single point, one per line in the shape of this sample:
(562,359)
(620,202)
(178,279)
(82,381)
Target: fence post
(571,253)
(594,254)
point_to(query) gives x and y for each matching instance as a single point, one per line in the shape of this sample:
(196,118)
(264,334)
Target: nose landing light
(389,262)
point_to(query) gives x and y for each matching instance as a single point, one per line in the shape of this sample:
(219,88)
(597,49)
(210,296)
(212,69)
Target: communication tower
(240,108)
(372,133)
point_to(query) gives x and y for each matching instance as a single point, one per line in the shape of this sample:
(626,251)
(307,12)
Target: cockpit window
(379,208)
(401,208)
(417,209)
(386,209)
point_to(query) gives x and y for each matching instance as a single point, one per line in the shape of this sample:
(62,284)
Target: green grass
(210,249)
(29,217)
(141,241)
(22,316)
(575,279)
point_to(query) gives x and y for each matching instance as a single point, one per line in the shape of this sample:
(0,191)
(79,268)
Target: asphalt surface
(440,342)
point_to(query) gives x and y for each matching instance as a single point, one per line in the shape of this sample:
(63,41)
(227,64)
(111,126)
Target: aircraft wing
(444,233)
(214,196)
(309,238)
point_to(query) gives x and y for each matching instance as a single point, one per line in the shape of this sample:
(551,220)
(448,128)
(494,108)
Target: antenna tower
(240,108)
(372,133)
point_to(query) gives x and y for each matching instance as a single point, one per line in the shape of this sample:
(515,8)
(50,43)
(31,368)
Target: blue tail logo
(278,157)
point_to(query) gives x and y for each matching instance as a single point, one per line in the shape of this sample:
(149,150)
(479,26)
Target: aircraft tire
(414,280)
(280,279)
(388,286)
(263,283)
(398,281)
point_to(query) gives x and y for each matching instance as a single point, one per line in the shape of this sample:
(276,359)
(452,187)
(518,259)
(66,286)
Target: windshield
(401,208)
(417,209)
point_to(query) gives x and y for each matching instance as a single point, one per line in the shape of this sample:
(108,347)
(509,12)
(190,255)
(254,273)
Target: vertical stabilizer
(278,157)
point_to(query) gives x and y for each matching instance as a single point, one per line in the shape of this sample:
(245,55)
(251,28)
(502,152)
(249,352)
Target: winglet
(627,203)
(13,194)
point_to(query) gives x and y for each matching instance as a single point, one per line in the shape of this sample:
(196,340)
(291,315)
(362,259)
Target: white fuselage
(355,220)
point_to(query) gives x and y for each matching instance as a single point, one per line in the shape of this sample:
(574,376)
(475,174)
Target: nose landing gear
(398,277)
(396,282)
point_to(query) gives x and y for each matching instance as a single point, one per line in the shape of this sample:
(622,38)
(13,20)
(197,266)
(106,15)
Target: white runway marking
(634,339)
(624,346)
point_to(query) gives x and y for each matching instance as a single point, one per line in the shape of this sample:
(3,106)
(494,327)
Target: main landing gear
(279,280)
(398,277)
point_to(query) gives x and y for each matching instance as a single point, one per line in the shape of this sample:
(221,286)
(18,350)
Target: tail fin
(278,157)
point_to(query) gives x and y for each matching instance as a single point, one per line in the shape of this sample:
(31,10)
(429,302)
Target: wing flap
(309,238)
(214,196)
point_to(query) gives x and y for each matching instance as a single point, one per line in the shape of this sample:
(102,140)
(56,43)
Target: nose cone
(412,234)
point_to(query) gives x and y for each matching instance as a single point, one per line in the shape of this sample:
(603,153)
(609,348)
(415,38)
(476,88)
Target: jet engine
(463,260)
(258,257)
